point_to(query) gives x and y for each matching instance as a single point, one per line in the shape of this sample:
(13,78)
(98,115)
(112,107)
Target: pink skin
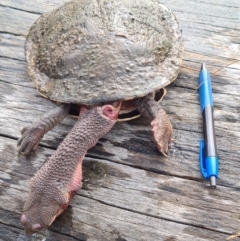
(23,219)
(43,206)
(53,186)
(35,227)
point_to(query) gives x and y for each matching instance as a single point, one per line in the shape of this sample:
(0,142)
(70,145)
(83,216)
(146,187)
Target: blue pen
(208,148)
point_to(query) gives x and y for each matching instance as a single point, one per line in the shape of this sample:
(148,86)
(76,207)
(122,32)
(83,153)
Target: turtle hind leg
(161,126)
(32,134)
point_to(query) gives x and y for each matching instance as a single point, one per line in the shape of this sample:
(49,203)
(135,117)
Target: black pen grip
(208,130)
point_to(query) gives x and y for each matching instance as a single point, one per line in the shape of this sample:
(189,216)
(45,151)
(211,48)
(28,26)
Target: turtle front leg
(161,126)
(32,134)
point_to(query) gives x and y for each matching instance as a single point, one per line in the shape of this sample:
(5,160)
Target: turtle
(108,58)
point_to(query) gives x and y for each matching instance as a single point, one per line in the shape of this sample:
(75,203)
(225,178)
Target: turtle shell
(96,51)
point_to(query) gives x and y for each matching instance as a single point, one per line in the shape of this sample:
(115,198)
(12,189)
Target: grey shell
(96,51)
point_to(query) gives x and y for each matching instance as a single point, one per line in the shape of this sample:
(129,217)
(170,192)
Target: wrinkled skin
(41,214)
(57,181)
(161,126)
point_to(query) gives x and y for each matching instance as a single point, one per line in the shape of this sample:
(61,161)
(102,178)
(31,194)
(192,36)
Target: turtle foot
(162,131)
(30,139)
(32,134)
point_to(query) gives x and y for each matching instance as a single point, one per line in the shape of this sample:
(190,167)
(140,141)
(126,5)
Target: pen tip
(203,67)
(213,182)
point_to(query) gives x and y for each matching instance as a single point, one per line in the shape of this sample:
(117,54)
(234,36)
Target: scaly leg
(32,134)
(161,126)
(57,181)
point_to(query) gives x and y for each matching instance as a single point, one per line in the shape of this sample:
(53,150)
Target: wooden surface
(130,191)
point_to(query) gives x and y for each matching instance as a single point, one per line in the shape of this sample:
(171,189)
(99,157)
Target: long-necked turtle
(107,56)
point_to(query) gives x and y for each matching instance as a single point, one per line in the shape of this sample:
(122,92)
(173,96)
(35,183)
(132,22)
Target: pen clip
(202,160)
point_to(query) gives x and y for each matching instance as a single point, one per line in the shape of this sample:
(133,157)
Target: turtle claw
(164,154)
(162,132)
(30,139)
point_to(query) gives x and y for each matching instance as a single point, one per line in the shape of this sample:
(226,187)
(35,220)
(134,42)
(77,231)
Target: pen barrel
(210,147)
(205,89)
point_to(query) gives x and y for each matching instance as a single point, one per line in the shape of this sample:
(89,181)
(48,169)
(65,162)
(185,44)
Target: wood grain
(130,191)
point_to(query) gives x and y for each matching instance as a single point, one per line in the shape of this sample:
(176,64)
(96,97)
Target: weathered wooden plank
(9,18)
(137,194)
(19,112)
(38,6)
(120,201)
(181,161)
(12,46)
(14,72)
(99,222)
(207,12)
